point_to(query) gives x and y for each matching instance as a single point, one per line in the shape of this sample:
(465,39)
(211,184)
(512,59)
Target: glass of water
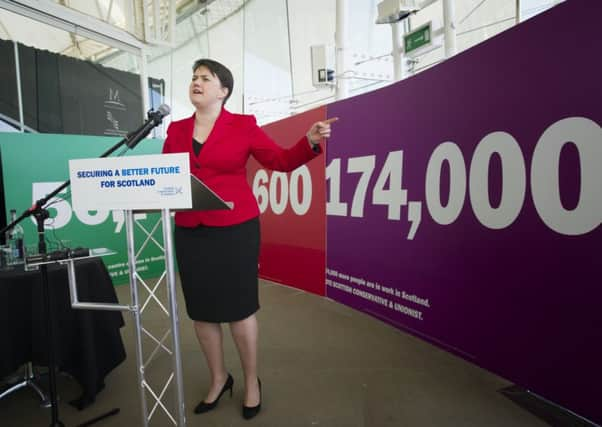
(5,257)
(29,251)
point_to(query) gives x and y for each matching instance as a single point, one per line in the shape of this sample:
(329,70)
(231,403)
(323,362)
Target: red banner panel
(293,218)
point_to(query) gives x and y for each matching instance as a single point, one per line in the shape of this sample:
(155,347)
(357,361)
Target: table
(87,343)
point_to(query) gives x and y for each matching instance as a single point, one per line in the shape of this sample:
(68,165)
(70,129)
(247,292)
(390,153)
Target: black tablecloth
(87,343)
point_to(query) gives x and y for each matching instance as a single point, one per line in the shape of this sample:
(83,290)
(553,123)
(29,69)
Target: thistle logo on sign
(171,191)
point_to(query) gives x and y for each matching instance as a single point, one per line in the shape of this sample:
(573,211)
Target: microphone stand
(40,213)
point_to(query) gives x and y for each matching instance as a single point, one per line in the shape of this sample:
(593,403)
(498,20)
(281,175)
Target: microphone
(154,119)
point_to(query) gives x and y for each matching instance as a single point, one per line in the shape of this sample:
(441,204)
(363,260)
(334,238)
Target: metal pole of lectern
(173,311)
(176,377)
(129,232)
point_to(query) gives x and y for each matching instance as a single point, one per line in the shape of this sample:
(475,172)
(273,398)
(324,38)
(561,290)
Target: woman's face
(206,89)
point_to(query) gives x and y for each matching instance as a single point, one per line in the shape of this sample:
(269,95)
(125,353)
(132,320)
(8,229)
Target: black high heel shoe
(249,412)
(206,407)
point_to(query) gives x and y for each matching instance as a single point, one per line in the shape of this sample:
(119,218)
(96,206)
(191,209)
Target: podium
(149,183)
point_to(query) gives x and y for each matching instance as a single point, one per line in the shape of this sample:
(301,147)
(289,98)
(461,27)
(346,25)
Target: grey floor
(321,364)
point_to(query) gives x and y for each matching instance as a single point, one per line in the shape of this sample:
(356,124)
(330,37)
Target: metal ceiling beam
(3,27)
(74,42)
(75,22)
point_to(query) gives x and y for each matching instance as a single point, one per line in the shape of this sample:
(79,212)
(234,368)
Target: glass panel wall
(268,81)
(63,89)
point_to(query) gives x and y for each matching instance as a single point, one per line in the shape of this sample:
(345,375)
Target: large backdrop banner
(464,205)
(35,164)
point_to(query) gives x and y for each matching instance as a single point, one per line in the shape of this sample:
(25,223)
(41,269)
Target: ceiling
(127,15)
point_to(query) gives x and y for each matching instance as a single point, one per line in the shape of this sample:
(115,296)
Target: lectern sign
(160,181)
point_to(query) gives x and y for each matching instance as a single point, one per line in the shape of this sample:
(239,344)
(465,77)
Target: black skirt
(218,270)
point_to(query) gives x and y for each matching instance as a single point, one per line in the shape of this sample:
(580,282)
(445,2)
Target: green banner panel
(33,165)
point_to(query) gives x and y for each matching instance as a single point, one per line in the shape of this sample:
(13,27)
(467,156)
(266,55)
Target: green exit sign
(421,36)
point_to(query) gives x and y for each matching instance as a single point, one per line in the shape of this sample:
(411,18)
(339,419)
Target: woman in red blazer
(218,251)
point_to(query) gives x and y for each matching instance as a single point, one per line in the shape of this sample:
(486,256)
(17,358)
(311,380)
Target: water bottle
(15,240)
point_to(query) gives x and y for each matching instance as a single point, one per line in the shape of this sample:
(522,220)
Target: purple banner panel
(464,205)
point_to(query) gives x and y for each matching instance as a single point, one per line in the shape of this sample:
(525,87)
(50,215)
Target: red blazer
(221,164)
